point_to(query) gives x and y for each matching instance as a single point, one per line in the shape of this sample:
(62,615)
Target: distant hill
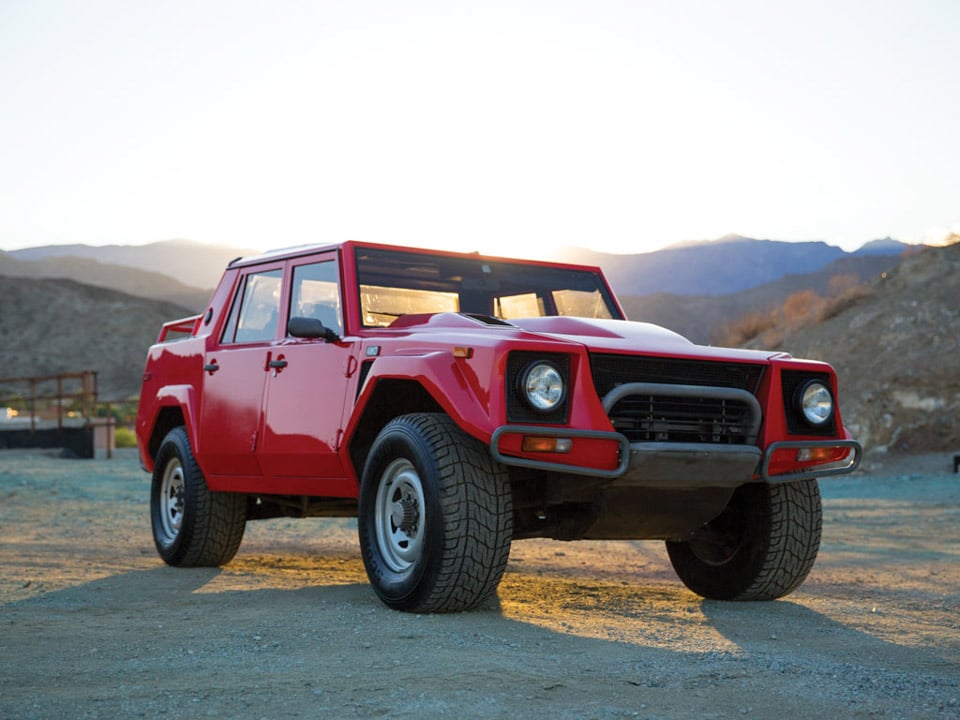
(49,326)
(188,262)
(720,267)
(141,283)
(701,317)
(885,246)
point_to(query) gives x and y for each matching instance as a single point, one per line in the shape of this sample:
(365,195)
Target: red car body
(288,419)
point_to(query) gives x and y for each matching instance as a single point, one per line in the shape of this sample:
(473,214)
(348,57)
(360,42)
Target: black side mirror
(310,329)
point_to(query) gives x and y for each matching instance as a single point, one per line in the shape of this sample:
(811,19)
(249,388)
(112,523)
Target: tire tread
(475,515)
(782,525)
(214,522)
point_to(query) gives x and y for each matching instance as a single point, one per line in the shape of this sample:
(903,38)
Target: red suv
(454,403)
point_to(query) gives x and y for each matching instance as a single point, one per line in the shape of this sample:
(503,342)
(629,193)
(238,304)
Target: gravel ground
(95,626)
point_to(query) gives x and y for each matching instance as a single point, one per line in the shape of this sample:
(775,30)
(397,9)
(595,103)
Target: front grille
(662,418)
(609,371)
(656,415)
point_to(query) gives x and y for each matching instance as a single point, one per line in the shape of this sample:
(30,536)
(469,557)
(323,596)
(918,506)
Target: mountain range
(190,263)
(184,272)
(703,318)
(720,267)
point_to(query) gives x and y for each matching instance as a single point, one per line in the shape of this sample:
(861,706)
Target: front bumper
(677,465)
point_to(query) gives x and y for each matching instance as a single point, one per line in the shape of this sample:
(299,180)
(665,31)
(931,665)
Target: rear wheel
(761,547)
(192,526)
(435,518)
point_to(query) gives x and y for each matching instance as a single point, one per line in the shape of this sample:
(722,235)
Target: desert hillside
(896,351)
(50,326)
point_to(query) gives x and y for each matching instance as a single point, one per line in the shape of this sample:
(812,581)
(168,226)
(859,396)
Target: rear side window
(256,308)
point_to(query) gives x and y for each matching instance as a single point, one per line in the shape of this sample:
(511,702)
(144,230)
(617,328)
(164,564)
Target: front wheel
(192,526)
(435,517)
(761,547)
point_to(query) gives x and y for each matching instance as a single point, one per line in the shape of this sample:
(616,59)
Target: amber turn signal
(546,444)
(821,454)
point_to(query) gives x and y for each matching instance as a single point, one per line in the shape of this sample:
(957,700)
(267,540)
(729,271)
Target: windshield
(394,283)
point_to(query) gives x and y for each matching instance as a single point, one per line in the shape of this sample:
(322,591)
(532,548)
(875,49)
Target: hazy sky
(508,127)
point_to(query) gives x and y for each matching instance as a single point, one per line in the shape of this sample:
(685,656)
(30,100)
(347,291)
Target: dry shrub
(799,310)
(840,285)
(741,331)
(802,308)
(847,295)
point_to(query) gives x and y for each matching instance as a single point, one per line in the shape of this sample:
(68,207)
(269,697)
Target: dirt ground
(93,625)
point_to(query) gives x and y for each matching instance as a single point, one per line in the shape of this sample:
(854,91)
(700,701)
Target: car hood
(626,336)
(598,336)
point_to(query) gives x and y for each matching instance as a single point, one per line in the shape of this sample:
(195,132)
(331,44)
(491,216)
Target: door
(306,386)
(235,371)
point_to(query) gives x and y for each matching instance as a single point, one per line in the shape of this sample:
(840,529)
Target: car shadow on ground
(166,640)
(790,629)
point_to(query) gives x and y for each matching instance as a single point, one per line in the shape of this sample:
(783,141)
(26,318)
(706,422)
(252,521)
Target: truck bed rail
(183,326)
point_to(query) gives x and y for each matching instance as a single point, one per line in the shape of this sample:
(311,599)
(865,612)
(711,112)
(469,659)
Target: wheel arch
(175,405)
(167,419)
(431,382)
(384,400)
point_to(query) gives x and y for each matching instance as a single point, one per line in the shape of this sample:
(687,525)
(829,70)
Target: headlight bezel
(815,403)
(517,409)
(542,386)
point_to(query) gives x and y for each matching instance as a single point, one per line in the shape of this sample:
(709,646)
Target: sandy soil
(93,625)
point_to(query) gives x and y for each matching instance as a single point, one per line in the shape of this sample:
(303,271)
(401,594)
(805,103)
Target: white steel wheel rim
(400,519)
(171,500)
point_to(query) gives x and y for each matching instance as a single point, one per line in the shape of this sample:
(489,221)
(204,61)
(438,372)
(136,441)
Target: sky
(506,127)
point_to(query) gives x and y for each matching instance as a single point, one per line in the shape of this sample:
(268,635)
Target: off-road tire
(435,516)
(761,547)
(192,526)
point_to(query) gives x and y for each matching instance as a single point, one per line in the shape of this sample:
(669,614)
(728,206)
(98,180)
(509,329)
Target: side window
(253,317)
(316,295)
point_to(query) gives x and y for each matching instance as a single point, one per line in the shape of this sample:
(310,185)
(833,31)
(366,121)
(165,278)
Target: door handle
(278,364)
(211,367)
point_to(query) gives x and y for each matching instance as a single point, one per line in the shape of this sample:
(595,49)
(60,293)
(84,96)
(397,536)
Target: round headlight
(816,403)
(541,385)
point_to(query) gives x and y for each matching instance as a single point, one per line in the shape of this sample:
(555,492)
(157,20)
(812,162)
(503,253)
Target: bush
(124,437)
(802,308)
(739,332)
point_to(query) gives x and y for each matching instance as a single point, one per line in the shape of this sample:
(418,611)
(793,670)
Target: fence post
(59,402)
(33,406)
